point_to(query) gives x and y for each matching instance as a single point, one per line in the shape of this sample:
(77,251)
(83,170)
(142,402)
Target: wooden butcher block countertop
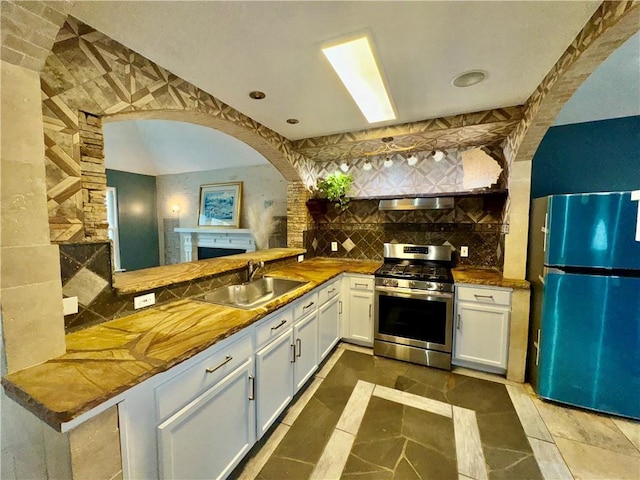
(104,361)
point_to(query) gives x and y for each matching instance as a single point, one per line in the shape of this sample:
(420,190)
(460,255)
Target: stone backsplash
(87,273)
(362,229)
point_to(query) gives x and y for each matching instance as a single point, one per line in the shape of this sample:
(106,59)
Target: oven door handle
(409,293)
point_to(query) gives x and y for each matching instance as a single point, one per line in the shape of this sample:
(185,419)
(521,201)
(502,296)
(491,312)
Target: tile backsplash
(87,274)
(362,229)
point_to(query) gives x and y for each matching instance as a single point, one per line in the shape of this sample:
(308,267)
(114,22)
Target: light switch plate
(69,305)
(300,258)
(144,300)
(464,251)
(334,246)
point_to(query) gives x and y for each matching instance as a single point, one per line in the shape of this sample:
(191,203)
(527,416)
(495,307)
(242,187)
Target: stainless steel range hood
(423,203)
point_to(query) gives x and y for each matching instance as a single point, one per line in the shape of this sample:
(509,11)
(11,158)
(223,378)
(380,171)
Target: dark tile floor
(397,441)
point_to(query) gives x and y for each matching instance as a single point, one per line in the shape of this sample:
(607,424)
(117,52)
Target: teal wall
(137,218)
(601,156)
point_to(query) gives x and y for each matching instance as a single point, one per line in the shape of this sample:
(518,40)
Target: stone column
(298,218)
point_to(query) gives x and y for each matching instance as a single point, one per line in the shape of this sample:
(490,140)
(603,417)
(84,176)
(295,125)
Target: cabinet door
(274,380)
(360,321)
(208,437)
(329,326)
(482,334)
(305,333)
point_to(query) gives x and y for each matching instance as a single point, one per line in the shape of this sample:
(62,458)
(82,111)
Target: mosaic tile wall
(362,230)
(425,177)
(86,273)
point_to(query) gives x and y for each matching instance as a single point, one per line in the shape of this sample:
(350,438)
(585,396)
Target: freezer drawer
(590,342)
(593,230)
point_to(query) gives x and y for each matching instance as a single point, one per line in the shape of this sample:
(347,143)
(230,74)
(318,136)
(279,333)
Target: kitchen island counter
(105,360)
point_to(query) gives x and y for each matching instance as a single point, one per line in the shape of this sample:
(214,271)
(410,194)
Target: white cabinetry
(305,334)
(481,327)
(274,367)
(210,435)
(357,296)
(329,318)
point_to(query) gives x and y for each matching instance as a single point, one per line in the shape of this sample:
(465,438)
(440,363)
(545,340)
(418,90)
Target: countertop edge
(162,276)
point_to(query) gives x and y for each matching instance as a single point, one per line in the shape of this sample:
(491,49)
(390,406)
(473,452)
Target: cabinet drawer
(176,392)
(489,296)
(360,283)
(305,306)
(329,291)
(273,325)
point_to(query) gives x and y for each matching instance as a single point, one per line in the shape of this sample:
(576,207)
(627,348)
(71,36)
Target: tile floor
(364,417)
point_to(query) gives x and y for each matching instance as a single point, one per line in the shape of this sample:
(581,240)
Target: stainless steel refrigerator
(584,269)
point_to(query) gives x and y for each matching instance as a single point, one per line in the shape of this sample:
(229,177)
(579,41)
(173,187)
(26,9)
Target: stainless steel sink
(252,294)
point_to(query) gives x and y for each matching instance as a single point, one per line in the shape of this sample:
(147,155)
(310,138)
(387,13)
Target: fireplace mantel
(216,237)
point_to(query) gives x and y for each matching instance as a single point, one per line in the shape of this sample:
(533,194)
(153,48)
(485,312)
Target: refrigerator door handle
(544,230)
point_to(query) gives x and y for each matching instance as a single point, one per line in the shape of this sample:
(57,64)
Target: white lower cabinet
(329,326)
(305,333)
(481,328)
(357,292)
(207,438)
(274,380)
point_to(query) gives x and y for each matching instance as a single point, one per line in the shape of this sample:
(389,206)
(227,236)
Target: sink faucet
(252,268)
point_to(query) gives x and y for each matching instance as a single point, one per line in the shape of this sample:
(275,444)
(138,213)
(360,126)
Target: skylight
(356,66)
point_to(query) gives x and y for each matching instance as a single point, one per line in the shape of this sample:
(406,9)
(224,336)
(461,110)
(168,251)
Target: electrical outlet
(69,305)
(464,251)
(144,300)
(300,258)
(334,246)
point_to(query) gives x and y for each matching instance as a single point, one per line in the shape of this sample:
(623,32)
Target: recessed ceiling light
(293,121)
(257,95)
(467,79)
(358,70)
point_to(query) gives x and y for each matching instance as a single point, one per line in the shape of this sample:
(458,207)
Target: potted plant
(336,186)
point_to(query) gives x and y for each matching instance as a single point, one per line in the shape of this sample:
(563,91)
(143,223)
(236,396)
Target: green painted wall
(137,218)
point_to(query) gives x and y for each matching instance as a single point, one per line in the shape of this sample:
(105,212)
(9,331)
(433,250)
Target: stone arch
(89,77)
(257,142)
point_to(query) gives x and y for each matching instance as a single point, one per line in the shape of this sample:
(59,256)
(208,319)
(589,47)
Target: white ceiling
(161,147)
(231,48)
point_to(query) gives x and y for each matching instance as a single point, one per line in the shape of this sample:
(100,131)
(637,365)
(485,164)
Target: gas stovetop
(424,267)
(416,271)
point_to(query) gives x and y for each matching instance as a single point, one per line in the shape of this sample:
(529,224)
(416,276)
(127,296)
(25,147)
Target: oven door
(414,317)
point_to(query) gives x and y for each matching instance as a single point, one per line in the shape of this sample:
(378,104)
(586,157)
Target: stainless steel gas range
(413,308)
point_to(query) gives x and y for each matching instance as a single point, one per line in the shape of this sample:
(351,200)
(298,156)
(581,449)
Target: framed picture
(220,205)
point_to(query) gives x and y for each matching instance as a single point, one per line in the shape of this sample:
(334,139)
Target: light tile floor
(567,443)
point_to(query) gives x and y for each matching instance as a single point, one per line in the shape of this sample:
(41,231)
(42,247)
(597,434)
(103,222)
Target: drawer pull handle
(293,353)
(370,310)
(340,306)
(279,325)
(483,296)
(458,322)
(364,285)
(227,359)
(299,343)
(307,306)
(332,290)
(252,395)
